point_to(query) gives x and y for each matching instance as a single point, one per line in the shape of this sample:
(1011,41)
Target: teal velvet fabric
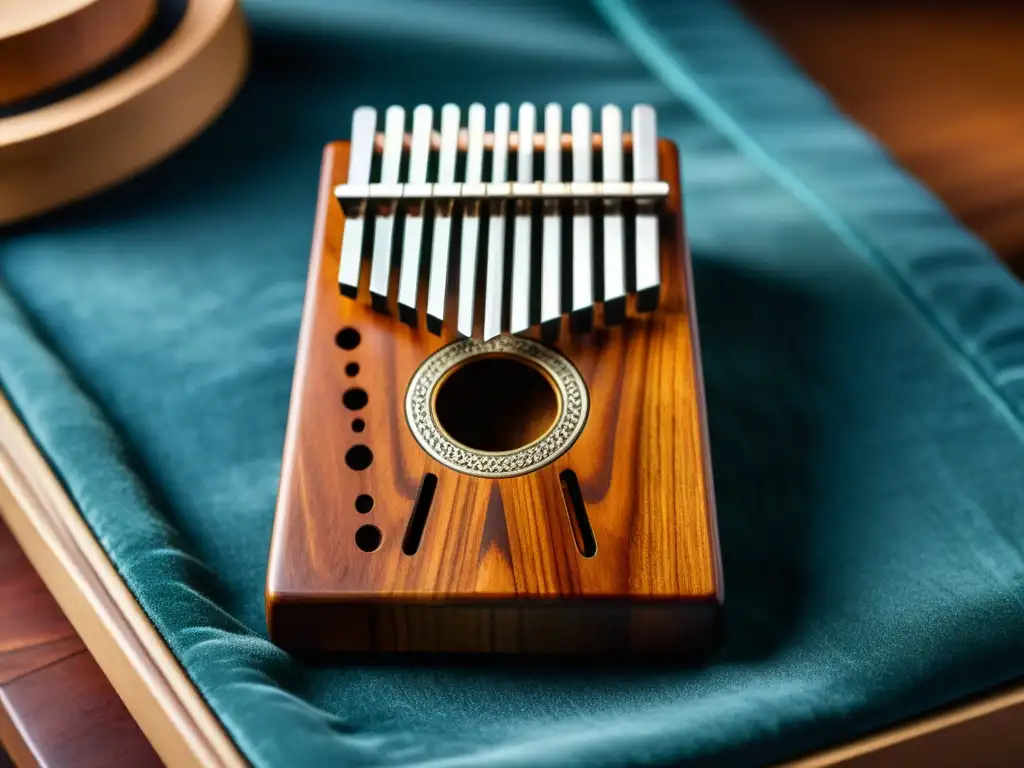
(864,363)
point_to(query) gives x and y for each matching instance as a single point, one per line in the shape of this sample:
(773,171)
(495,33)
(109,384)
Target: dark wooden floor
(56,706)
(941,85)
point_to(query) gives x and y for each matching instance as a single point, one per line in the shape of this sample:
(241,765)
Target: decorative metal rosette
(556,441)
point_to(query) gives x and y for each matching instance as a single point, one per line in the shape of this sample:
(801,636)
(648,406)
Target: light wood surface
(126,646)
(498,568)
(127,122)
(45,43)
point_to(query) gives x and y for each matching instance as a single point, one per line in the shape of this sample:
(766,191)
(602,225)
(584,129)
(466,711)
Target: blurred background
(940,84)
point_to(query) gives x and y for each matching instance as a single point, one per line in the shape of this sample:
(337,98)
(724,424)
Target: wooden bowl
(78,145)
(46,43)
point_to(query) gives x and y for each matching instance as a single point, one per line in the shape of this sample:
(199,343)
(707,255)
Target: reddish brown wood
(498,568)
(56,707)
(74,725)
(22,661)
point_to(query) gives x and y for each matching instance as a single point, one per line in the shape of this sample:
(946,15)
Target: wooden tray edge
(141,668)
(984,731)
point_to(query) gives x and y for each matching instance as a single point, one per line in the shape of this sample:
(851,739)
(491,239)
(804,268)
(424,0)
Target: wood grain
(45,43)
(498,568)
(56,706)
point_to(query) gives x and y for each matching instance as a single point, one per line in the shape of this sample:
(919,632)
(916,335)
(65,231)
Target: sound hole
(358,457)
(347,338)
(368,538)
(355,399)
(496,403)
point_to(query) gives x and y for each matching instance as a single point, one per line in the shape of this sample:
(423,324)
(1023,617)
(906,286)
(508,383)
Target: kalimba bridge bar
(518,227)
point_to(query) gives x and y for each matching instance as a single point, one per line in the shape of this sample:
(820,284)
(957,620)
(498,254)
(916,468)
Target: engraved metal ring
(568,425)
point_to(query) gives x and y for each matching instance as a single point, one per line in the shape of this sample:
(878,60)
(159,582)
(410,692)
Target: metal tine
(614,226)
(582,241)
(551,257)
(388,192)
(471,220)
(419,158)
(360,161)
(450,115)
(519,319)
(645,168)
(380,269)
(496,232)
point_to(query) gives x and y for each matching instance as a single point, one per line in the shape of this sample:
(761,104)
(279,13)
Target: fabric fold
(712,59)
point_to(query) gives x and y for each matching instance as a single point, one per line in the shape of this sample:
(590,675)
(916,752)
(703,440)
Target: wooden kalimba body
(497,439)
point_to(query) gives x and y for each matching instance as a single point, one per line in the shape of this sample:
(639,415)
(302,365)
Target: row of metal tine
(363,198)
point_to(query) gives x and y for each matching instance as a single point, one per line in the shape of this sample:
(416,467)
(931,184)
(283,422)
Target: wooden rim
(127,122)
(46,44)
(132,654)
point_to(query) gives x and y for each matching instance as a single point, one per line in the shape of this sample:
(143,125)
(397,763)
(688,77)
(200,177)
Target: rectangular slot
(418,518)
(576,510)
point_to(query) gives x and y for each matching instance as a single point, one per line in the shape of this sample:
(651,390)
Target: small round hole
(359,457)
(355,399)
(358,425)
(368,538)
(364,503)
(352,369)
(347,338)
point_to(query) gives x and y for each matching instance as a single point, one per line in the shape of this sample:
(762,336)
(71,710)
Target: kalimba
(496,440)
